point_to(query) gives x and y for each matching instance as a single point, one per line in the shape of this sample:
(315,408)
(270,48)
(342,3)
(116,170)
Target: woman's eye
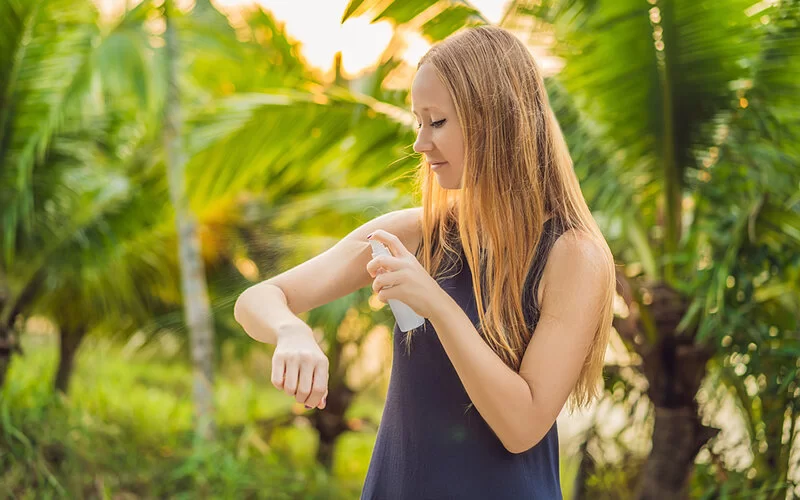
(435,124)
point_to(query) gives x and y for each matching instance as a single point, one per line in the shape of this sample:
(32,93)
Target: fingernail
(369,236)
(308,407)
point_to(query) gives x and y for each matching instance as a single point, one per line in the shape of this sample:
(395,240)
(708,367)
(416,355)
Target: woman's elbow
(240,305)
(524,443)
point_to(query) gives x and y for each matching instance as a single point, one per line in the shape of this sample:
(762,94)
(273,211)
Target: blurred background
(157,157)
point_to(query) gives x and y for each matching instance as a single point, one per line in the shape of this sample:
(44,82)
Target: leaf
(401,12)
(451,20)
(351,9)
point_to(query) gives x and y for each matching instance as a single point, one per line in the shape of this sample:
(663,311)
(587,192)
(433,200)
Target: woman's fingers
(304,384)
(320,387)
(376,266)
(278,372)
(324,401)
(300,369)
(386,280)
(290,382)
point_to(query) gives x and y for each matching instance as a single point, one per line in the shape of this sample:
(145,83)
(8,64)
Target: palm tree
(193,280)
(321,189)
(107,258)
(77,242)
(42,81)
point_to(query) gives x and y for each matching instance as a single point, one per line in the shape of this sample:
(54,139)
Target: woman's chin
(446,181)
(445,185)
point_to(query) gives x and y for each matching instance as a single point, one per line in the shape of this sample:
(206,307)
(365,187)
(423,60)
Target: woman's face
(439,135)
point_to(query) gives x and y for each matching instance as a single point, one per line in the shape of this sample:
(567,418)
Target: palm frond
(435,19)
(45,80)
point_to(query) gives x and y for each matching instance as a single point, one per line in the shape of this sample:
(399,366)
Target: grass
(125,430)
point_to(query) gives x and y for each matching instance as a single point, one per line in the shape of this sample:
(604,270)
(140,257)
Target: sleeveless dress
(431,444)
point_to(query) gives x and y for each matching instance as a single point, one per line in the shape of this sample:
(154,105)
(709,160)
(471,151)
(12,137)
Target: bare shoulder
(575,246)
(577,258)
(409,227)
(405,223)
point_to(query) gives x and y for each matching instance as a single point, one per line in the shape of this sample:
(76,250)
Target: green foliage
(101,230)
(708,482)
(126,428)
(441,17)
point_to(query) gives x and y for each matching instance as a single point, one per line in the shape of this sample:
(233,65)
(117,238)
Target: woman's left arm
(521,407)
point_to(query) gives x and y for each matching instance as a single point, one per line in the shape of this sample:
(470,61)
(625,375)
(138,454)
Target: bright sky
(315,23)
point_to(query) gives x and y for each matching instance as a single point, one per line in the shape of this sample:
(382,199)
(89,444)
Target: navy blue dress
(430,445)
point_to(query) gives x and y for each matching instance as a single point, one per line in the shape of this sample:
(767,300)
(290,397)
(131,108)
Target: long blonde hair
(517,171)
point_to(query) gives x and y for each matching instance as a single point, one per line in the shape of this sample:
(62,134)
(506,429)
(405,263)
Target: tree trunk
(7,347)
(674,368)
(677,438)
(586,468)
(69,342)
(330,422)
(11,316)
(194,289)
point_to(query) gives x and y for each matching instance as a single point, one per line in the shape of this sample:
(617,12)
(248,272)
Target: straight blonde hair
(517,171)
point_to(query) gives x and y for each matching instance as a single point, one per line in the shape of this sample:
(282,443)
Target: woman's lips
(434,166)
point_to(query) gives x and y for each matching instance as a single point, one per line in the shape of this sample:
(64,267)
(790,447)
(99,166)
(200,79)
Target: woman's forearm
(264,314)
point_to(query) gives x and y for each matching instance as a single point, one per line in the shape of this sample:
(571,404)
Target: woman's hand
(300,368)
(400,276)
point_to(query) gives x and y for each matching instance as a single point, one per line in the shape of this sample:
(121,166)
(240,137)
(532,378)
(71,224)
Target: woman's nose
(422,144)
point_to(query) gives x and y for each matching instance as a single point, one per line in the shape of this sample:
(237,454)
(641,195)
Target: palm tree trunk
(7,345)
(11,308)
(69,342)
(330,423)
(674,367)
(196,305)
(677,438)
(585,468)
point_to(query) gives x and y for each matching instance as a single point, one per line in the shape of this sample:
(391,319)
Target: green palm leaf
(436,19)
(42,79)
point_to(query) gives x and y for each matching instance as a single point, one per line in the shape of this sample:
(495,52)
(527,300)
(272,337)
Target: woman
(473,399)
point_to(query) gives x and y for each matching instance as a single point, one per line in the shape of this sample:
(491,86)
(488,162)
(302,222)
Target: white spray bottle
(406,318)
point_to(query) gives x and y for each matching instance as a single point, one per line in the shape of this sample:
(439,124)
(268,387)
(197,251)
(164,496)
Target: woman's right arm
(268,310)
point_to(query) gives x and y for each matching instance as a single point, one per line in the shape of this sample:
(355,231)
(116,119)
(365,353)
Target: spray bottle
(406,318)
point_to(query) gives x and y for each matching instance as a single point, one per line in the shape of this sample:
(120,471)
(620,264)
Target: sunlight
(315,24)
(360,42)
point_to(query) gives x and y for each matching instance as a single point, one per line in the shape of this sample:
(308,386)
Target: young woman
(474,393)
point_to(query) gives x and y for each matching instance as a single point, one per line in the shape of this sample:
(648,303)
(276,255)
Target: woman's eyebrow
(423,109)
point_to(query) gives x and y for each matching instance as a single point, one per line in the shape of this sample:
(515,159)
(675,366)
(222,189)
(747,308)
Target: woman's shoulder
(408,224)
(577,248)
(579,254)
